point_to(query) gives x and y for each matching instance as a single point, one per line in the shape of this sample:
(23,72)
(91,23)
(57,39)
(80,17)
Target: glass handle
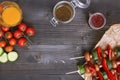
(54,22)
(77,3)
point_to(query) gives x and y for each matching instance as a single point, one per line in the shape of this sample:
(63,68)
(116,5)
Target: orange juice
(11,14)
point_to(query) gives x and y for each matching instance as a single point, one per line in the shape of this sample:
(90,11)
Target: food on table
(9,48)
(18,34)
(22,42)
(12,41)
(97,21)
(1,51)
(22,27)
(8,35)
(11,14)
(1,33)
(12,56)
(5,29)
(30,31)
(4,58)
(105,57)
(111,37)
(3,43)
(100,68)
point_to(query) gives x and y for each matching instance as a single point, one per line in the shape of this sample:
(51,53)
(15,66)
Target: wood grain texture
(51,45)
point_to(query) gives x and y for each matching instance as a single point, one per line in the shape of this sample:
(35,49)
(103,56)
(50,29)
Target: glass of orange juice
(10,14)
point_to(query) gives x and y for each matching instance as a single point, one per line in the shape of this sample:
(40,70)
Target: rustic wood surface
(48,57)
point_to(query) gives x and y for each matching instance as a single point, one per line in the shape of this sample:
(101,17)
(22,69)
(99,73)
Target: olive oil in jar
(63,12)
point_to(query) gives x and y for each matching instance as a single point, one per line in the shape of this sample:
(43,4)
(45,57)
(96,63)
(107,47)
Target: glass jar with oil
(10,14)
(64,11)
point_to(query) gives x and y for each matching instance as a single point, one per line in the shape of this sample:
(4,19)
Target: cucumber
(1,51)
(3,58)
(12,56)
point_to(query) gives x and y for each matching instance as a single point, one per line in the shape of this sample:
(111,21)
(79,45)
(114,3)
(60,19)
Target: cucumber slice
(3,58)
(1,51)
(12,56)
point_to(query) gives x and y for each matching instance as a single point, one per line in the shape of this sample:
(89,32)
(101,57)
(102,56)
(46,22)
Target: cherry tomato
(12,41)
(30,31)
(5,29)
(8,48)
(1,33)
(22,42)
(3,43)
(18,34)
(8,35)
(22,27)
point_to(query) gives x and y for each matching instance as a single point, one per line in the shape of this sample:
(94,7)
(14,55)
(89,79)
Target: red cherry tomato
(1,33)
(8,48)
(22,27)
(3,43)
(5,29)
(12,41)
(8,35)
(18,34)
(30,31)
(22,42)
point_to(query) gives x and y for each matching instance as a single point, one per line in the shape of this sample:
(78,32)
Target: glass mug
(64,11)
(10,14)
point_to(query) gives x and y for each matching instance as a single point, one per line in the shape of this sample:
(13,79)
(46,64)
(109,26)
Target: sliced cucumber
(1,51)
(3,58)
(12,56)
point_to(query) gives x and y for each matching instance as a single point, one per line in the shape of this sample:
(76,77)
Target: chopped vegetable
(81,68)
(109,64)
(3,58)
(8,48)
(100,75)
(109,52)
(99,52)
(3,43)
(1,51)
(95,56)
(12,56)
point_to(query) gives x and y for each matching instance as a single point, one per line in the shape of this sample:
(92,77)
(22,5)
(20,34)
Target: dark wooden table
(48,57)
